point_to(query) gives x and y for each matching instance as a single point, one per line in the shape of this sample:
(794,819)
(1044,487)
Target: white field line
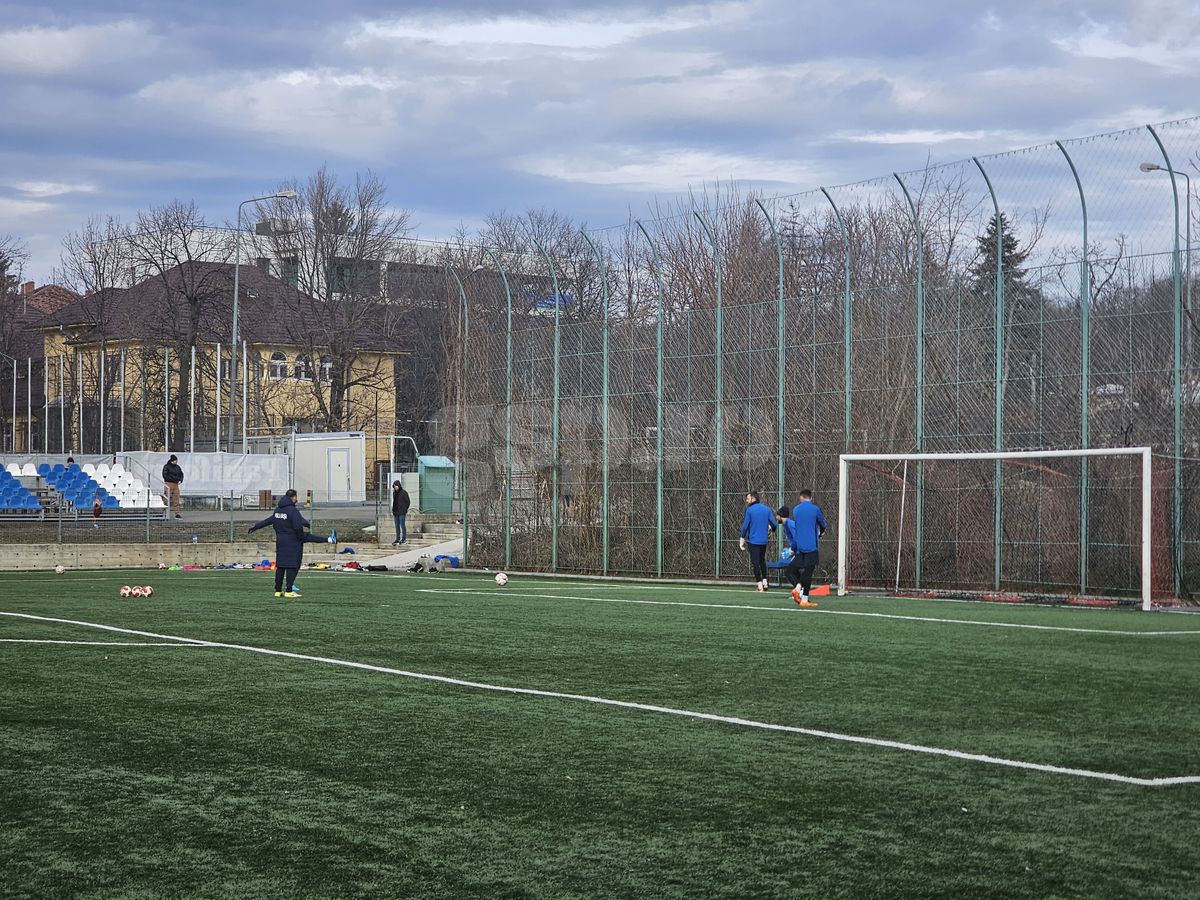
(98,643)
(787,609)
(647,707)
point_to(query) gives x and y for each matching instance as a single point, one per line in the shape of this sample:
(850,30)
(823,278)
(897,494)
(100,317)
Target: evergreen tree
(983,272)
(1023,308)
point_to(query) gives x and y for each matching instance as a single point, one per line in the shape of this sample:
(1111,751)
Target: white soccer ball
(126,590)
(162,565)
(501,579)
(58,570)
(147,591)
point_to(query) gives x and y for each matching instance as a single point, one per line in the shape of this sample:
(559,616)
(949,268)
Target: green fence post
(998,375)
(554,457)
(719,395)
(847,326)
(1176,373)
(464,336)
(658,480)
(780,361)
(1085,340)
(508,398)
(919,340)
(604,421)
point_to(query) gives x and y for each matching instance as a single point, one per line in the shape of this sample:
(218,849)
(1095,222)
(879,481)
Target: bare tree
(175,246)
(336,242)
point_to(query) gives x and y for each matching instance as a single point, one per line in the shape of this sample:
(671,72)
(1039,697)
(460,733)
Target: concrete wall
(130,556)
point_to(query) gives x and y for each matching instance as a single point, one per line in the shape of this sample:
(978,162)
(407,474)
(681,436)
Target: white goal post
(844,515)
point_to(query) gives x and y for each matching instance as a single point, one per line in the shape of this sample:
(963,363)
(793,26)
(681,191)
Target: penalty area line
(652,708)
(811,612)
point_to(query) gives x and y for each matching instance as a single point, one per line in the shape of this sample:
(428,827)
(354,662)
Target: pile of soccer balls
(136,591)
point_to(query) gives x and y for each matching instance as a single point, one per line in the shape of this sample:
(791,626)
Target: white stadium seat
(102,469)
(117,469)
(29,469)
(13,469)
(89,469)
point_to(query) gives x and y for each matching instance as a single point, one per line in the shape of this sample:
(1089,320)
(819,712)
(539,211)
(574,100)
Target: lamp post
(237,264)
(1187,253)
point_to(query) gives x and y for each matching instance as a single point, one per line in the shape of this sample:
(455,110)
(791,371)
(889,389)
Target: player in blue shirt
(798,563)
(808,524)
(757,525)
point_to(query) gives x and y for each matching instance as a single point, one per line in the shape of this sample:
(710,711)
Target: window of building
(357,276)
(263,263)
(303,368)
(289,270)
(326,368)
(278,367)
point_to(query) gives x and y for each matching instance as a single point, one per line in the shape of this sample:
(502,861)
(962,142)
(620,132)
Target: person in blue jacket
(290,539)
(810,525)
(757,525)
(798,568)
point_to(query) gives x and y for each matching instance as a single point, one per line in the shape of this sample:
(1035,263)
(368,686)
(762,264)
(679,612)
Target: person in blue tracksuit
(809,526)
(757,525)
(290,539)
(797,567)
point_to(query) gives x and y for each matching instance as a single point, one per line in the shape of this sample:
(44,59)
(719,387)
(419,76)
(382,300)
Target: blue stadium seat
(43,469)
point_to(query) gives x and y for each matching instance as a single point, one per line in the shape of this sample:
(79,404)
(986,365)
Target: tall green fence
(618,402)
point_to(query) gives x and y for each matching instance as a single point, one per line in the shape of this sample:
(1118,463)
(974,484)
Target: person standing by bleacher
(172,476)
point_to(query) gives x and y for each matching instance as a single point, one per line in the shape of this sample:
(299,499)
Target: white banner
(217,474)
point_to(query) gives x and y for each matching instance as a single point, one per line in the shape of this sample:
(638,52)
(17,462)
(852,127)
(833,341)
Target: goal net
(1054,525)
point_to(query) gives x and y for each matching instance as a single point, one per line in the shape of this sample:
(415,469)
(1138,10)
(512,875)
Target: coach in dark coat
(290,539)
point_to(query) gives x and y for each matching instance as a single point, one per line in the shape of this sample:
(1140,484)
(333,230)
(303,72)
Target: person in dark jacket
(757,526)
(400,504)
(290,539)
(172,476)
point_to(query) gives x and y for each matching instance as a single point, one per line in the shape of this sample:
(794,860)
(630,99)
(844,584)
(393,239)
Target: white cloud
(57,51)
(16,209)
(51,188)
(1100,42)
(920,136)
(667,170)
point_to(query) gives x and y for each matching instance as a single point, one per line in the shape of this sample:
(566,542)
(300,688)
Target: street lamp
(237,263)
(1187,301)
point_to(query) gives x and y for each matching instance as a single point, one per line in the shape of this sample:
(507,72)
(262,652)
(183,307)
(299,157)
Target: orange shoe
(797,596)
(805,603)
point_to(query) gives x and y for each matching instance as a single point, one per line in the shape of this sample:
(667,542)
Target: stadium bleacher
(28,490)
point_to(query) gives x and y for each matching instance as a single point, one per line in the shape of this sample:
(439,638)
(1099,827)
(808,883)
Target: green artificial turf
(200,771)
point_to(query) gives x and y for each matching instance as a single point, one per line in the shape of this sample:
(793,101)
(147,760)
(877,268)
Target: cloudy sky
(592,107)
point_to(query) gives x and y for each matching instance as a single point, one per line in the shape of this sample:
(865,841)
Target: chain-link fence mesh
(1038,298)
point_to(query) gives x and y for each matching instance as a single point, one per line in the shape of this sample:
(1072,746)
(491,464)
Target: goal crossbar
(845,459)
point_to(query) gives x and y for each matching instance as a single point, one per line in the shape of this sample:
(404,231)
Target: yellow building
(149,367)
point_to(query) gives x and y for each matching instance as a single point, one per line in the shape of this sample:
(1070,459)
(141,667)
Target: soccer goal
(1045,525)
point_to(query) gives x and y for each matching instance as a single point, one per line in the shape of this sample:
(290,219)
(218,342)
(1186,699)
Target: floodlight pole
(237,265)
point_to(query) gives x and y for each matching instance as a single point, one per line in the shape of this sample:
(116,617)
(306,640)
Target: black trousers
(280,573)
(758,561)
(800,570)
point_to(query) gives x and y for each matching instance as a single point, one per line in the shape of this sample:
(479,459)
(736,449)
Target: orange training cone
(821,590)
